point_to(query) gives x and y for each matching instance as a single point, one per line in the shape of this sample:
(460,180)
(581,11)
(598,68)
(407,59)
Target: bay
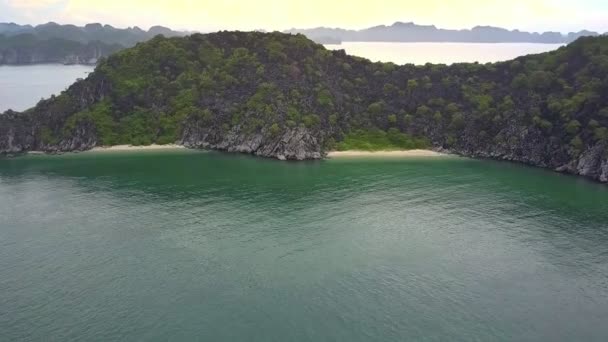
(21,87)
(441,53)
(189,245)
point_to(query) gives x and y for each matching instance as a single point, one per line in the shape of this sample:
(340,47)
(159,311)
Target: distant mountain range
(88,33)
(410,32)
(69,44)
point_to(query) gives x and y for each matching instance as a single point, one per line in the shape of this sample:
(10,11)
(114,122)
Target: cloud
(31,11)
(32,4)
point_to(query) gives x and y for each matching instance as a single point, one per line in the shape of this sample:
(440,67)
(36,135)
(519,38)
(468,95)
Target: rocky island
(68,44)
(283,96)
(410,32)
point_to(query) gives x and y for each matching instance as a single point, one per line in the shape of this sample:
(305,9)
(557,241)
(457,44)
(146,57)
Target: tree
(423,111)
(412,84)
(333,119)
(573,127)
(576,146)
(392,119)
(389,89)
(311,120)
(457,122)
(541,80)
(376,108)
(325,99)
(274,129)
(276,51)
(542,123)
(600,134)
(451,108)
(437,117)
(520,82)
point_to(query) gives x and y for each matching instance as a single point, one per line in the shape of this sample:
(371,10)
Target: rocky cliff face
(17,133)
(18,136)
(282,96)
(31,130)
(293,144)
(532,149)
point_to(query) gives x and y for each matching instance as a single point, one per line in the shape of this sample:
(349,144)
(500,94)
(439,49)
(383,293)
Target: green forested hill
(283,96)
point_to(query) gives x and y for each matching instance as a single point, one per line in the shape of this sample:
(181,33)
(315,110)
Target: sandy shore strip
(405,153)
(135,148)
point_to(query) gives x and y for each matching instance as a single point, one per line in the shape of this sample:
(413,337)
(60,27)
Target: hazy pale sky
(208,15)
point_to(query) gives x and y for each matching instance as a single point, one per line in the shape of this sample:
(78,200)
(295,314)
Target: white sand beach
(405,153)
(136,148)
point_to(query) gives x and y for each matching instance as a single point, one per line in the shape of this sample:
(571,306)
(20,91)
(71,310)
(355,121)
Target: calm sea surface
(445,53)
(187,245)
(21,87)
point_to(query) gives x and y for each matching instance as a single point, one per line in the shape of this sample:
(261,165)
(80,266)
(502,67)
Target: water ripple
(207,246)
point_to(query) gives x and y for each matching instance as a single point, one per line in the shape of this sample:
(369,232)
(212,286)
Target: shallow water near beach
(189,245)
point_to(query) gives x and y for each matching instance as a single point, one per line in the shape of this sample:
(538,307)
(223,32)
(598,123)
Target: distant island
(283,96)
(410,32)
(325,40)
(68,44)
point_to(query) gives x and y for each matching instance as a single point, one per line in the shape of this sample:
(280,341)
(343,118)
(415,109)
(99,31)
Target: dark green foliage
(412,84)
(392,119)
(47,136)
(376,108)
(324,99)
(311,120)
(100,115)
(520,82)
(275,129)
(576,146)
(542,123)
(573,127)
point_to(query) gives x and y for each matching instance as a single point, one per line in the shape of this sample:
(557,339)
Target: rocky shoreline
(591,165)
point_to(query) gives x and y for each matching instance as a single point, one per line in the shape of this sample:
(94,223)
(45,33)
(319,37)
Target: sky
(211,15)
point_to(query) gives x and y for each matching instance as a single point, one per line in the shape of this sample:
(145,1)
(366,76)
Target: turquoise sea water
(187,245)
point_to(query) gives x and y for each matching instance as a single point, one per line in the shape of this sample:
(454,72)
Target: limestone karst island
(278,170)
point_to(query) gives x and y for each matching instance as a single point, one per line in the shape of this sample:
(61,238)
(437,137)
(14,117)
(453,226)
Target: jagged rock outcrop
(592,163)
(293,144)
